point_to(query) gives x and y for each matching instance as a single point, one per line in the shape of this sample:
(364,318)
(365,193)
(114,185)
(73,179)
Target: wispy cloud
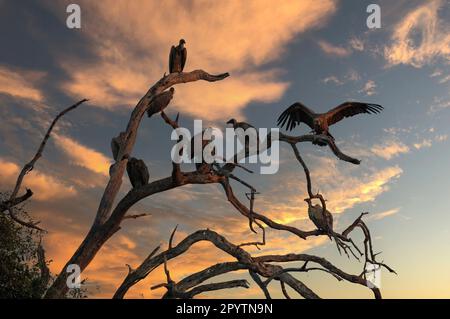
(291,208)
(384,214)
(437,72)
(423,143)
(357,44)
(351,76)
(362,190)
(369,88)
(45,187)
(445,79)
(390,149)
(332,79)
(21,83)
(334,50)
(136,52)
(434,41)
(82,155)
(439,103)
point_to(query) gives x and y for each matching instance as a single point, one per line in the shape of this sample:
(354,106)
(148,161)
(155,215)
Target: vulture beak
(231,121)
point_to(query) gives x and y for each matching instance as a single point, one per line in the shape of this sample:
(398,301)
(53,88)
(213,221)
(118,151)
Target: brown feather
(295,114)
(348,109)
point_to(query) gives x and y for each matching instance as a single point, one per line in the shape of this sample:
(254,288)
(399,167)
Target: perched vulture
(177,57)
(242,125)
(252,135)
(319,122)
(316,215)
(137,172)
(205,142)
(160,102)
(116,142)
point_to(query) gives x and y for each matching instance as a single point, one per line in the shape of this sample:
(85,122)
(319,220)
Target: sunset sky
(320,53)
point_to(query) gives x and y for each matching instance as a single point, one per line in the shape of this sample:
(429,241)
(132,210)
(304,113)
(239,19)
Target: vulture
(242,125)
(160,102)
(205,142)
(116,142)
(319,122)
(137,172)
(316,215)
(245,126)
(177,57)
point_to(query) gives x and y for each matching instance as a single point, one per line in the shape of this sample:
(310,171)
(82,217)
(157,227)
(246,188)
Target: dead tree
(261,268)
(14,200)
(108,218)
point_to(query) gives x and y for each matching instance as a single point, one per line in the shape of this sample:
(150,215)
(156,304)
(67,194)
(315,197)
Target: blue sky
(318,53)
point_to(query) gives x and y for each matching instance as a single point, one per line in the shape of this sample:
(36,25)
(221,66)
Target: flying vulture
(177,57)
(160,102)
(319,122)
(137,172)
(315,213)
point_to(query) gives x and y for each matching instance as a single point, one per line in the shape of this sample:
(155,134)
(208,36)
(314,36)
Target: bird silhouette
(320,122)
(315,213)
(137,172)
(177,57)
(160,102)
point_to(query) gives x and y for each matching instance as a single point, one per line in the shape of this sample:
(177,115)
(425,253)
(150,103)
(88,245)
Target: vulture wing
(296,114)
(143,170)
(183,58)
(171,58)
(348,109)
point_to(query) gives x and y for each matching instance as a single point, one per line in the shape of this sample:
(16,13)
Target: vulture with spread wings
(319,122)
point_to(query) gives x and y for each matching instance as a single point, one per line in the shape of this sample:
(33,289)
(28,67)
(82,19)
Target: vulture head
(182,43)
(232,122)
(308,200)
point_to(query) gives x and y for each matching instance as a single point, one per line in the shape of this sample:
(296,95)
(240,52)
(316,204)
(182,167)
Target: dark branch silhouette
(13,199)
(262,269)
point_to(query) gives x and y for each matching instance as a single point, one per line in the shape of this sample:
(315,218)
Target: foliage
(20,275)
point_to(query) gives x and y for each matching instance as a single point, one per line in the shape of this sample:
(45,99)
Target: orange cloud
(435,37)
(44,186)
(390,149)
(342,190)
(82,155)
(362,190)
(424,143)
(231,95)
(132,40)
(20,83)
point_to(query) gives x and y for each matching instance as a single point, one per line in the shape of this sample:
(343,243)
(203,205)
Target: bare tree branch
(257,266)
(12,201)
(107,221)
